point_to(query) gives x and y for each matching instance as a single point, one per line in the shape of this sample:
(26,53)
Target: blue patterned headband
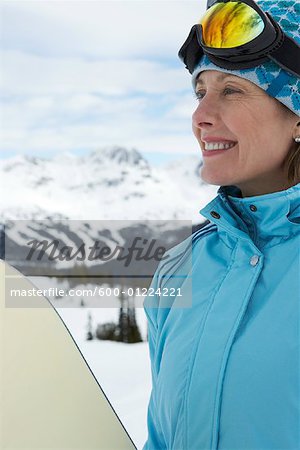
(269,76)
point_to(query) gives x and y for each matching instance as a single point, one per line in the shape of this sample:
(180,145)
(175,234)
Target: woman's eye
(199,95)
(228,91)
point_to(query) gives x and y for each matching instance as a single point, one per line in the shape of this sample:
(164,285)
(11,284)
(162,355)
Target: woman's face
(235,113)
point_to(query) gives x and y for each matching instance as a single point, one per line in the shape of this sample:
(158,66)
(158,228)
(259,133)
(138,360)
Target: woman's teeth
(218,146)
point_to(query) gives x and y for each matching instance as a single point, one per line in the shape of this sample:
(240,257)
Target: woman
(226,368)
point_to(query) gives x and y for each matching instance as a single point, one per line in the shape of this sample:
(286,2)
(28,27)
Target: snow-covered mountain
(74,193)
(110,183)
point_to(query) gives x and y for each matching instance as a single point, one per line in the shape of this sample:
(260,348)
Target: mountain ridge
(109,183)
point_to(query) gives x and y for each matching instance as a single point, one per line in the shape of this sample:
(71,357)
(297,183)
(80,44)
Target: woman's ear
(296,132)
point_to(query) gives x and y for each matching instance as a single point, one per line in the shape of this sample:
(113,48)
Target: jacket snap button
(253,208)
(215,215)
(254,260)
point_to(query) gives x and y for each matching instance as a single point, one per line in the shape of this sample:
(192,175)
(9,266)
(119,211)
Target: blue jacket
(225,350)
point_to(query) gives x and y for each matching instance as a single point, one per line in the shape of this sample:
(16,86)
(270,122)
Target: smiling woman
(233,121)
(226,370)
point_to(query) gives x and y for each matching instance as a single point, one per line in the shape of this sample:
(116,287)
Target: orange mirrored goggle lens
(229,25)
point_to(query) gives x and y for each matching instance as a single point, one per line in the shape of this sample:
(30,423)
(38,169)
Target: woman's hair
(292,164)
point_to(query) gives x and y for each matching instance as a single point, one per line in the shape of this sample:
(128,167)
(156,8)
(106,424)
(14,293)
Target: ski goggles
(239,35)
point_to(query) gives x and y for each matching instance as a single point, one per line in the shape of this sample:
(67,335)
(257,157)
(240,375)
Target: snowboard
(50,398)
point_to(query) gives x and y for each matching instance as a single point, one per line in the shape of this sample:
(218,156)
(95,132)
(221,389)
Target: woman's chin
(214,177)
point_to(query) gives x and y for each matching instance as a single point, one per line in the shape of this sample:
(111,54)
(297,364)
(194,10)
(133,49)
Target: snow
(112,183)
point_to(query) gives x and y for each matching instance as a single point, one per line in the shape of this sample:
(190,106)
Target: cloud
(30,74)
(71,122)
(183,107)
(79,75)
(105,29)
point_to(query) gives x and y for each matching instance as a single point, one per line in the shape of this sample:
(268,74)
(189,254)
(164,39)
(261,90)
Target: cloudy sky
(78,75)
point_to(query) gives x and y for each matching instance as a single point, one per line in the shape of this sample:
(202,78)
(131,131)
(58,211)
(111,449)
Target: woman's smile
(215,145)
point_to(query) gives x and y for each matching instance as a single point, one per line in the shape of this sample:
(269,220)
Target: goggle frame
(272,43)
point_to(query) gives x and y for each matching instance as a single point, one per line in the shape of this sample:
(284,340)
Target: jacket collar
(261,218)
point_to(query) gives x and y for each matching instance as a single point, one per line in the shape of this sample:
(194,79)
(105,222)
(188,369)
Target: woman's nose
(205,115)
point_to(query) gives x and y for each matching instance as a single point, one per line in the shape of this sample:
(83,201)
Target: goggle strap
(231,65)
(191,52)
(287,55)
